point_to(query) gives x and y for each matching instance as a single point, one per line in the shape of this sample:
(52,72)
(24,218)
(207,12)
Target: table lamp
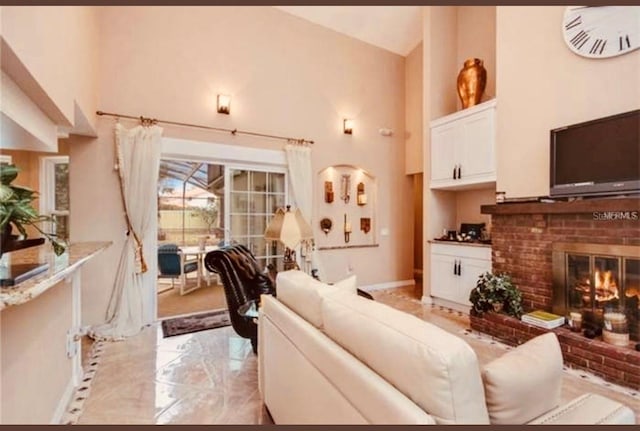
(290,228)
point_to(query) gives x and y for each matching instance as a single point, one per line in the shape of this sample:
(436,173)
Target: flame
(606,286)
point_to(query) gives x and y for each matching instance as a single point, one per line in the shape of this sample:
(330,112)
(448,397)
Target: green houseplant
(16,210)
(496,292)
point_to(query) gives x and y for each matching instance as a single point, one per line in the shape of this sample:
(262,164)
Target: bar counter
(60,267)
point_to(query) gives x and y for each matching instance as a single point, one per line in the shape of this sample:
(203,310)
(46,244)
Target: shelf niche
(344,181)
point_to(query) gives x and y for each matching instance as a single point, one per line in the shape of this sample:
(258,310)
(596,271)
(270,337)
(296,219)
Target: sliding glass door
(226,203)
(253,196)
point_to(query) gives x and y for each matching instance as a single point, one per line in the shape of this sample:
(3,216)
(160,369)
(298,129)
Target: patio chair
(172,264)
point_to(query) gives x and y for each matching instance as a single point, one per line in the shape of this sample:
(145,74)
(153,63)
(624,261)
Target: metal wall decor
(328,191)
(325,225)
(347,228)
(365,224)
(345,185)
(361,197)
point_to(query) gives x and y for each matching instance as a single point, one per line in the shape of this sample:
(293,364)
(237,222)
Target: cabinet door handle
(455,267)
(459,268)
(454,172)
(459,171)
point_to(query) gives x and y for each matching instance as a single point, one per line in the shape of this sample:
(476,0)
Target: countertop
(462,243)
(60,267)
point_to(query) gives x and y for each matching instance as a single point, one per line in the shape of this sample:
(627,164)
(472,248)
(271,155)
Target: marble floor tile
(210,377)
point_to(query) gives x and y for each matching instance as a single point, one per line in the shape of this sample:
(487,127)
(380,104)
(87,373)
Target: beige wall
(285,76)
(468,204)
(57,46)
(35,368)
(418,193)
(413,107)
(477,39)
(543,85)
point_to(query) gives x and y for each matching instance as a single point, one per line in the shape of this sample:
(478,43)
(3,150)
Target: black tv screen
(599,157)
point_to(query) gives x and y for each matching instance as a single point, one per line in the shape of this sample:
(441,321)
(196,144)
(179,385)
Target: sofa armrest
(588,409)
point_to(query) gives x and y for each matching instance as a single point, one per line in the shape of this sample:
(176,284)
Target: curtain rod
(145,120)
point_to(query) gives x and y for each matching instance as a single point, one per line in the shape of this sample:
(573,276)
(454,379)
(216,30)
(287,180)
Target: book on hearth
(543,318)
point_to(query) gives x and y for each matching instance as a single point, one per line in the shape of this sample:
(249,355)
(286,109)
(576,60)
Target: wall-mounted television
(596,158)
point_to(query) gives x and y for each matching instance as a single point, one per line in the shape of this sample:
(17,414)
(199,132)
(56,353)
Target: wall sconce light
(224,104)
(348,126)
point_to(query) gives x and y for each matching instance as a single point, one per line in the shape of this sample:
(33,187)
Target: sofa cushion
(524,383)
(303,293)
(435,369)
(357,385)
(588,409)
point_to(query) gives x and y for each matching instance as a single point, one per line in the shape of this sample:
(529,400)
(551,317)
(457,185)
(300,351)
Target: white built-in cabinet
(455,269)
(463,148)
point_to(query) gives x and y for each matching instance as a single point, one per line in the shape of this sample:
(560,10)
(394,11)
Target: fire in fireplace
(595,279)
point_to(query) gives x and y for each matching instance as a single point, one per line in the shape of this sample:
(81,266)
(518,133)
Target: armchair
(172,264)
(243,281)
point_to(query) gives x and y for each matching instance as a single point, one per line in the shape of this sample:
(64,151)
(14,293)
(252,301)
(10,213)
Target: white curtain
(138,157)
(301,180)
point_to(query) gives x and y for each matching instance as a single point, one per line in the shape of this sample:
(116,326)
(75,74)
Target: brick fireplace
(524,237)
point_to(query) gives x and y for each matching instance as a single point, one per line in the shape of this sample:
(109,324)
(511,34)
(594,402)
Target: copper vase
(472,80)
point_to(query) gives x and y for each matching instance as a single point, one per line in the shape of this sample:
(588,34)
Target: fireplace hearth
(598,280)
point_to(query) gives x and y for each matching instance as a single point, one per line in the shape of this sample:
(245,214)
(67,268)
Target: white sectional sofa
(329,356)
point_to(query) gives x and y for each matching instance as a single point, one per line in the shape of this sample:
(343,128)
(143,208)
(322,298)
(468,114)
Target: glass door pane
(255,195)
(606,277)
(578,282)
(631,296)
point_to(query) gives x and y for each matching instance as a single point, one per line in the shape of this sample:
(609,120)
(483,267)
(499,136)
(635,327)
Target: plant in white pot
(16,210)
(496,292)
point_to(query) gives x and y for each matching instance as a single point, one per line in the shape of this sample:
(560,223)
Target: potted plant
(16,211)
(496,292)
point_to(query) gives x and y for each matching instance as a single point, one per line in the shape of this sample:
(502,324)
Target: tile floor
(210,377)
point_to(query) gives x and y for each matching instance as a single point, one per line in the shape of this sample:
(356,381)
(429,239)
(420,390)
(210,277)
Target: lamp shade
(288,227)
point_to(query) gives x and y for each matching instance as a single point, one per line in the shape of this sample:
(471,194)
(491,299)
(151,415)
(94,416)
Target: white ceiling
(395,28)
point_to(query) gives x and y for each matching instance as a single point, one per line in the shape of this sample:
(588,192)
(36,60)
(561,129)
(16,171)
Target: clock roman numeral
(602,47)
(573,23)
(597,44)
(624,41)
(580,39)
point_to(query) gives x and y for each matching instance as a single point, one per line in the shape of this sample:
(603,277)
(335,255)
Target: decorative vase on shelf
(472,80)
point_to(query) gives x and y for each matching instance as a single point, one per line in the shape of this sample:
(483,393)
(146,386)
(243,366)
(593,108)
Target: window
(54,194)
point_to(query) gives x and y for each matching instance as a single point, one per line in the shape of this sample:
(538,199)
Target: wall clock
(601,31)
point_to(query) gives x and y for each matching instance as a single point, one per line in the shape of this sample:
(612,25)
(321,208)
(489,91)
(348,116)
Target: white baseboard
(447,304)
(389,285)
(427,300)
(64,402)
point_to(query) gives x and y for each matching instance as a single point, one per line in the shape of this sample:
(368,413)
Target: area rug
(195,323)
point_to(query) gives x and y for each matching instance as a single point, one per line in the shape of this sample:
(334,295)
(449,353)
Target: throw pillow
(347,286)
(525,382)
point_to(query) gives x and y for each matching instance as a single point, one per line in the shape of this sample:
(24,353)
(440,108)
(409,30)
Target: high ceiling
(395,28)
